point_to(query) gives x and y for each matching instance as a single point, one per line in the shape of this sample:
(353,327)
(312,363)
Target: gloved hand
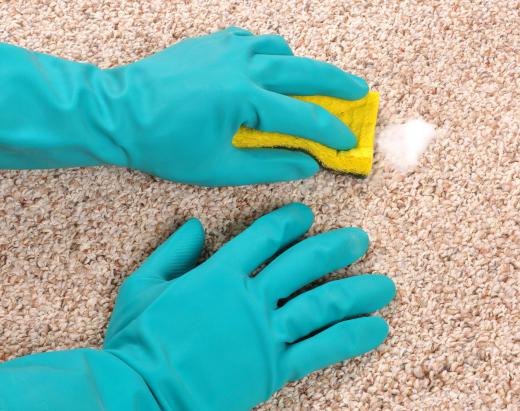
(174,113)
(212,337)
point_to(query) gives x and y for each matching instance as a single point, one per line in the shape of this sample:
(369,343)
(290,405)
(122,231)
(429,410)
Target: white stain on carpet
(403,144)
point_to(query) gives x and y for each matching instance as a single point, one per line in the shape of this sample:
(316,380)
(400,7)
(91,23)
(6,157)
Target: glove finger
(282,114)
(265,237)
(303,76)
(177,255)
(260,166)
(270,44)
(309,260)
(333,302)
(344,340)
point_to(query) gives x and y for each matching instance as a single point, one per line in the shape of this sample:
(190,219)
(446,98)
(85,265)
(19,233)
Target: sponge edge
(359,115)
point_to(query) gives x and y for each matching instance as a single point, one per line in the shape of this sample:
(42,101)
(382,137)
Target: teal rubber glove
(173,114)
(212,337)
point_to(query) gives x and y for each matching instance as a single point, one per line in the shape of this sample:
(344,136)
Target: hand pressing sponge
(359,115)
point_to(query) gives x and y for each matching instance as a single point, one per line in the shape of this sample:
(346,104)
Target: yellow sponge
(359,115)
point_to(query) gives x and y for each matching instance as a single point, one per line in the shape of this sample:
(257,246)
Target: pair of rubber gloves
(182,336)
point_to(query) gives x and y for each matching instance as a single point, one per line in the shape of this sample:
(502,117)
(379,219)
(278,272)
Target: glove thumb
(177,255)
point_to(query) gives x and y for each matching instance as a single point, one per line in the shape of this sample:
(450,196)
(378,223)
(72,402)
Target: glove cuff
(55,113)
(83,379)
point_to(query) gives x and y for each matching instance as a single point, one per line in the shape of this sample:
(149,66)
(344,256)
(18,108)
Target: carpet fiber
(447,233)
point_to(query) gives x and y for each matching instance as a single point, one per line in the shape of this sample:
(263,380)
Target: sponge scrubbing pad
(359,115)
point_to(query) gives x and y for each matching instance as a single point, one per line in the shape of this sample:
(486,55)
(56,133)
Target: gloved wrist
(134,117)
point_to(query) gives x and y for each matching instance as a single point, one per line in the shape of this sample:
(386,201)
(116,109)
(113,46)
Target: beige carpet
(448,233)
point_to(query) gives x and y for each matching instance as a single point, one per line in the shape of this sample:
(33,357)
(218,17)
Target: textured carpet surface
(447,233)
